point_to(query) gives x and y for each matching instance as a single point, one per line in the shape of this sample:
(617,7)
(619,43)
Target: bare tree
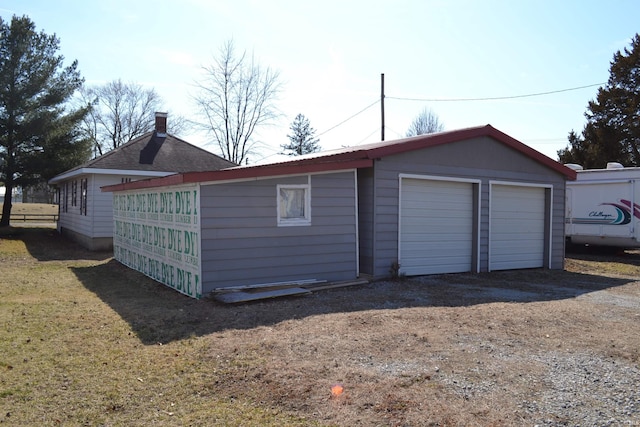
(425,122)
(121,112)
(236,97)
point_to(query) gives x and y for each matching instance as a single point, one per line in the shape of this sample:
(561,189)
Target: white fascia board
(94,171)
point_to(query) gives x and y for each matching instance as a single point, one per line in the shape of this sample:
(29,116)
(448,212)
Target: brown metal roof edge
(349,158)
(240,173)
(430,140)
(536,155)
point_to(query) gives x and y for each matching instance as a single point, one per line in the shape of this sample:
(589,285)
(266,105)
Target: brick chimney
(161,124)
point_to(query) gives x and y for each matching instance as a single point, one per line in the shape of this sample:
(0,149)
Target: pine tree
(612,132)
(302,139)
(38,136)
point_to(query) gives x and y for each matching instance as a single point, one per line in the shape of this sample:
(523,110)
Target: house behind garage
(470,200)
(86,213)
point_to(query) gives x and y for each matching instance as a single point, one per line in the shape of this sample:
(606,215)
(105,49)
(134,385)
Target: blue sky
(330,55)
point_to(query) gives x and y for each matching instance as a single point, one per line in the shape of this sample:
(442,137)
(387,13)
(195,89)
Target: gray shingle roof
(151,152)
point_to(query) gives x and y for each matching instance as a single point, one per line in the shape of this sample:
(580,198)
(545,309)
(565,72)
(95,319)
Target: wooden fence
(34,217)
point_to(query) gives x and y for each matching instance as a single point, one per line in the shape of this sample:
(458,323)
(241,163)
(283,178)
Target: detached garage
(470,200)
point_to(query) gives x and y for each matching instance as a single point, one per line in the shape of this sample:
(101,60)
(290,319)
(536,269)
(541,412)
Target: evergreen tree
(302,139)
(38,136)
(612,132)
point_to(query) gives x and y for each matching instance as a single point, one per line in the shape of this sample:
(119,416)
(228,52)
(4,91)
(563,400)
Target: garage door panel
(441,209)
(437,235)
(519,264)
(517,227)
(517,238)
(441,213)
(439,266)
(530,249)
(437,229)
(436,226)
(522,224)
(432,222)
(423,249)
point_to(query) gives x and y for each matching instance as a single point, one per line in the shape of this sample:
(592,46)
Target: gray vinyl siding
(366,196)
(242,243)
(558,226)
(482,158)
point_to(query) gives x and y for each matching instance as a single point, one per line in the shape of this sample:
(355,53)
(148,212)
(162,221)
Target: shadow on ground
(44,243)
(159,315)
(605,254)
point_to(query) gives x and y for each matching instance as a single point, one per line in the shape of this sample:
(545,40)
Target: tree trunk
(6,207)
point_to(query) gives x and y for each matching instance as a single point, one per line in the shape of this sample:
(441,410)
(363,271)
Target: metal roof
(348,158)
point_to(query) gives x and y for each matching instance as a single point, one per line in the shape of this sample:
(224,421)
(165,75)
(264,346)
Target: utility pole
(382,105)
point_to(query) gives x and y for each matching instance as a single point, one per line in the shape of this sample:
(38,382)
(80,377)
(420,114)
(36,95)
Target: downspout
(357,223)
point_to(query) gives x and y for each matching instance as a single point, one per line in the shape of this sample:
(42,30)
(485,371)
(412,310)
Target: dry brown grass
(86,341)
(34,208)
(73,355)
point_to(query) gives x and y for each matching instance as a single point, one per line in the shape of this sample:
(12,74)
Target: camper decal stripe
(622,217)
(636,207)
(624,214)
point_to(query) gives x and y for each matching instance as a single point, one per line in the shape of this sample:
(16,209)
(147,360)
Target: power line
(346,120)
(496,98)
(366,137)
(493,98)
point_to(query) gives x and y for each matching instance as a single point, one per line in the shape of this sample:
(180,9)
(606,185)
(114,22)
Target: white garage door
(517,227)
(436,226)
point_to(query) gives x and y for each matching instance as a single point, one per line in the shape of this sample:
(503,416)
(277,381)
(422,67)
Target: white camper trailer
(603,207)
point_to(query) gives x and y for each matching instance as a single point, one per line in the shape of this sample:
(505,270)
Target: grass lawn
(69,358)
(34,208)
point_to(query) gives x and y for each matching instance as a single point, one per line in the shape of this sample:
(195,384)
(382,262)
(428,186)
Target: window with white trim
(294,205)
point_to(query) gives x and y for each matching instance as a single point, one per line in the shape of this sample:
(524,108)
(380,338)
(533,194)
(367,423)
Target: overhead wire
(367,137)
(349,118)
(495,98)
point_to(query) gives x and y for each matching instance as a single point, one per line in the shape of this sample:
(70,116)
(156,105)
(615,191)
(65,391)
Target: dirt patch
(508,348)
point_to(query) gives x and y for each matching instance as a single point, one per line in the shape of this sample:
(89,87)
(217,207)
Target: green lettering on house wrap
(147,234)
(184,281)
(160,236)
(174,240)
(190,243)
(166,202)
(131,203)
(141,202)
(152,202)
(168,274)
(183,202)
(195,203)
